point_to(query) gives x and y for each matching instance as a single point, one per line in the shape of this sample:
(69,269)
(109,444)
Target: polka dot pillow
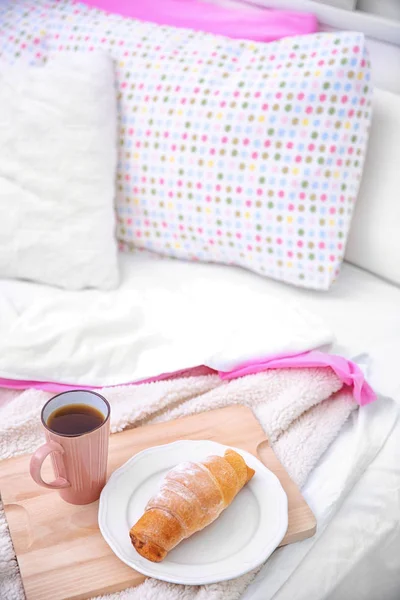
(21,41)
(231,151)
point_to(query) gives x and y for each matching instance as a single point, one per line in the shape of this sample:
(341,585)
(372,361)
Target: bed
(355,490)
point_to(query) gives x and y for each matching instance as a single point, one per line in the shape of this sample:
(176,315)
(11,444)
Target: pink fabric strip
(346,370)
(247,23)
(54,387)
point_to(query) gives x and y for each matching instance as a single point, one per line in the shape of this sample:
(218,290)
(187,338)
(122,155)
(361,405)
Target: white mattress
(355,489)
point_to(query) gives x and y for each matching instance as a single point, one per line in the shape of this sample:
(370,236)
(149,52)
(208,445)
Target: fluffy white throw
(301,411)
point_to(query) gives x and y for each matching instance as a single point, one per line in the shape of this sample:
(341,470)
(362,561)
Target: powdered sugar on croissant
(191,496)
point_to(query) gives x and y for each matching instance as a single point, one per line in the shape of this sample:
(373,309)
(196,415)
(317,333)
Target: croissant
(192,496)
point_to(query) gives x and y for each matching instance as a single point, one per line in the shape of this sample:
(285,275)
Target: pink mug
(79,459)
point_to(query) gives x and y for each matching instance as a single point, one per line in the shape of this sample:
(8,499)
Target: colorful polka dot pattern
(20,38)
(234,152)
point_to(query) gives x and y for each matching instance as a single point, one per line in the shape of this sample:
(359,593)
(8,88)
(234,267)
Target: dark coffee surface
(75,419)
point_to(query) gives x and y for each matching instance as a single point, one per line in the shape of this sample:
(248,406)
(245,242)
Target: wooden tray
(59,547)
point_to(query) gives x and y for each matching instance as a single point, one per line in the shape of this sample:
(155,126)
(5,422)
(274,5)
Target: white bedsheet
(169,315)
(355,490)
(166,316)
(355,495)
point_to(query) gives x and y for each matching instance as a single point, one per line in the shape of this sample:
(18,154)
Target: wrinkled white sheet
(166,316)
(169,315)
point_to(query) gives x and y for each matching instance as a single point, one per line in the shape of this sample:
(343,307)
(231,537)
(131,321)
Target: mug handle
(37,462)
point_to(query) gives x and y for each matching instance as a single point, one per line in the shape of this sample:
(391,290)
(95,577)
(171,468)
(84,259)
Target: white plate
(242,537)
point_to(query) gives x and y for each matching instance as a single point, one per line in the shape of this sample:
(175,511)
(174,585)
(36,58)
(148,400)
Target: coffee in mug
(77,427)
(75,419)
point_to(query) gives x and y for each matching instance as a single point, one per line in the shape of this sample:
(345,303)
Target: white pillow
(58,155)
(374,240)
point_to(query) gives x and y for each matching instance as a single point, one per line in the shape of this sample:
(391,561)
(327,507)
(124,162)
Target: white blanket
(301,410)
(166,316)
